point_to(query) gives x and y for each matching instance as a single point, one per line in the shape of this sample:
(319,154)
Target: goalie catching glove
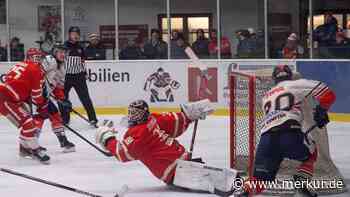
(105,132)
(321,116)
(197,110)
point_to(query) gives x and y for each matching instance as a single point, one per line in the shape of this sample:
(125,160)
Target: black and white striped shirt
(75,57)
(74,65)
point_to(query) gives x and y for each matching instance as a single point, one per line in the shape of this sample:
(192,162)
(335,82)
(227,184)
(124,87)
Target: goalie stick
(194,58)
(193,139)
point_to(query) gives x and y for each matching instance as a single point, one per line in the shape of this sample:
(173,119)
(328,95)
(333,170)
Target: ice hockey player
(54,88)
(151,138)
(282,135)
(22,84)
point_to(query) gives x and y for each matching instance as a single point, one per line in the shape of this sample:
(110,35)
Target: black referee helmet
(74,29)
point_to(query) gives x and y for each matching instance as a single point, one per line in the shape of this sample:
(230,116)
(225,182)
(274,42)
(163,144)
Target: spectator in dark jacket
(155,48)
(17,50)
(246,46)
(95,50)
(3,53)
(178,49)
(325,34)
(200,46)
(131,51)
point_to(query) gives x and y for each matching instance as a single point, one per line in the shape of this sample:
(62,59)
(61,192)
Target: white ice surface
(89,170)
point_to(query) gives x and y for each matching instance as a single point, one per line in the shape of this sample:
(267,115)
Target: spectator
(260,44)
(292,49)
(156,48)
(246,45)
(17,50)
(213,47)
(178,49)
(3,53)
(325,34)
(174,37)
(201,45)
(131,51)
(95,50)
(76,76)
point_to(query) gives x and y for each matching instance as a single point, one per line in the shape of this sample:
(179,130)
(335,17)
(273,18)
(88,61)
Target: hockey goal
(246,92)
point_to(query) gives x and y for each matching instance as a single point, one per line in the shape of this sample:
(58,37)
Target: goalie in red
(282,135)
(151,138)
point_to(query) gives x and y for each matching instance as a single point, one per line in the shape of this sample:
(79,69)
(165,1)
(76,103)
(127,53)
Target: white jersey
(283,102)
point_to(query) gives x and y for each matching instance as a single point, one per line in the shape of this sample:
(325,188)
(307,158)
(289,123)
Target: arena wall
(113,85)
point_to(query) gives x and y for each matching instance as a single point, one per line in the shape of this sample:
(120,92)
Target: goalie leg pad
(199,177)
(197,110)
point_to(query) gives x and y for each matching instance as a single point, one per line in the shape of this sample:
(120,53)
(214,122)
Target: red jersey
(154,144)
(24,82)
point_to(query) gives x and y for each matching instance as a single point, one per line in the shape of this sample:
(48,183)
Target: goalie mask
(138,112)
(282,73)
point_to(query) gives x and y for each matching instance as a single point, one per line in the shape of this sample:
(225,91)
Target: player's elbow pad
(327,99)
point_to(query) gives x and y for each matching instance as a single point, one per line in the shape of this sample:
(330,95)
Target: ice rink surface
(89,170)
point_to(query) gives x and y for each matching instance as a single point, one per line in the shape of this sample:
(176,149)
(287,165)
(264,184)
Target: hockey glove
(104,133)
(197,110)
(66,104)
(321,116)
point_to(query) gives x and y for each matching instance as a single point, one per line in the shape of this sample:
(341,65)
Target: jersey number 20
(283,102)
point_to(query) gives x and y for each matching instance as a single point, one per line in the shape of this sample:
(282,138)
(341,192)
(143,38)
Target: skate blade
(68,150)
(25,156)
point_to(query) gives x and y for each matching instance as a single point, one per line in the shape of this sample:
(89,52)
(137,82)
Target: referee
(76,76)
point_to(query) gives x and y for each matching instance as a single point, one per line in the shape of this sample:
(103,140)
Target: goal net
(246,92)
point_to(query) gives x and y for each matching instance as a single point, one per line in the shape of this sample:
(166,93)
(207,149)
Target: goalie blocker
(151,139)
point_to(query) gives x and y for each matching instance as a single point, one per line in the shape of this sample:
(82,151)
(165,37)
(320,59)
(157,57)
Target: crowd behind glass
(330,40)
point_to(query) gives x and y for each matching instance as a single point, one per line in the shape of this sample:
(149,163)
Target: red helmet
(35,55)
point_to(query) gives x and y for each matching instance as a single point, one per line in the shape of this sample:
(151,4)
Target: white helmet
(49,64)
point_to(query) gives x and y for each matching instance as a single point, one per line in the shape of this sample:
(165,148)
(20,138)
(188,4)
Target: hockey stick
(87,141)
(82,117)
(193,139)
(194,58)
(76,112)
(51,183)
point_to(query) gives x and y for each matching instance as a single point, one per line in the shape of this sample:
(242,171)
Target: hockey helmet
(138,112)
(282,73)
(49,64)
(34,55)
(58,48)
